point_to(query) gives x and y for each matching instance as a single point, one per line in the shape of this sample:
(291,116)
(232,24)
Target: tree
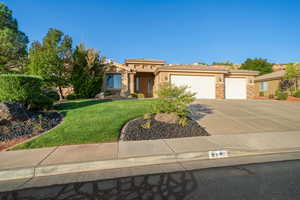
(13,43)
(52,59)
(87,73)
(257,64)
(292,72)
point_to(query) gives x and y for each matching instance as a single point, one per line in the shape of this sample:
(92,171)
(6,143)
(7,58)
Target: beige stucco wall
(272,87)
(124,91)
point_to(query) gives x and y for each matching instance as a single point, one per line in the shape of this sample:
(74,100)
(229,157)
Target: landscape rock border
(133,130)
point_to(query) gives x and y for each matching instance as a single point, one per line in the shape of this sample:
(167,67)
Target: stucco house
(209,82)
(267,84)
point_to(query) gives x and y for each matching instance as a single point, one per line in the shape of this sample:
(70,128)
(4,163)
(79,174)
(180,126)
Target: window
(113,81)
(263,86)
(137,84)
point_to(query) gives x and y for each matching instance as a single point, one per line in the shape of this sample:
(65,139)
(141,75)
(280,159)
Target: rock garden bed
(17,124)
(160,126)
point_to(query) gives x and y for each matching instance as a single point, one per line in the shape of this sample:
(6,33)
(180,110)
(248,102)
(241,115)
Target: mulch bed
(133,130)
(19,131)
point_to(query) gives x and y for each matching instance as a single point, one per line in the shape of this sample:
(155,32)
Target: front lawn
(90,121)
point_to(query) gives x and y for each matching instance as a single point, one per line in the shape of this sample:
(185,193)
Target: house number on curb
(217,154)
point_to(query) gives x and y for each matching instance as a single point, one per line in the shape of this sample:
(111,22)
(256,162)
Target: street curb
(48,170)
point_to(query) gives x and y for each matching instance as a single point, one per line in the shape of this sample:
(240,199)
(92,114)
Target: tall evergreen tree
(13,42)
(87,73)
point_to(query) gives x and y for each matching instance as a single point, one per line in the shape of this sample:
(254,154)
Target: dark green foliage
(257,64)
(13,43)
(51,93)
(26,90)
(280,95)
(173,99)
(261,94)
(73,96)
(52,59)
(271,96)
(108,92)
(138,95)
(41,102)
(87,74)
(19,88)
(297,94)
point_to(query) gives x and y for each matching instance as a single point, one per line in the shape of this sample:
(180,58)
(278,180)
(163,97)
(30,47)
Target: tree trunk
(61,93)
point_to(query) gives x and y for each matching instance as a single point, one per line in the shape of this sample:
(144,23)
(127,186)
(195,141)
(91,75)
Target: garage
(235,88)
(203,86)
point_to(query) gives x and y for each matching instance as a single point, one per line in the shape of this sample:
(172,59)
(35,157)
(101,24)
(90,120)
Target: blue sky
(178,31)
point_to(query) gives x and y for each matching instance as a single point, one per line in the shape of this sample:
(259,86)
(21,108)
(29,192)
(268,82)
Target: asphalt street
(275,180)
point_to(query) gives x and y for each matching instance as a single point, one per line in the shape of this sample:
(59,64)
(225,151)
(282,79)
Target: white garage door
(235,88)
(203,86)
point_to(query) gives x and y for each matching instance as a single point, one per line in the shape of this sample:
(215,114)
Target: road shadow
(198,111)
(175,186)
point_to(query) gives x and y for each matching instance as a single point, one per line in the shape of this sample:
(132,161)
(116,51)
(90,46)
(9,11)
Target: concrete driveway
(246,116)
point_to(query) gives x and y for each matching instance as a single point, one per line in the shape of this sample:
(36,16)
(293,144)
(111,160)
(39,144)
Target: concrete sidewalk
(105,156)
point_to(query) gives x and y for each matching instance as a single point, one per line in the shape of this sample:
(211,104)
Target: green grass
(90,121)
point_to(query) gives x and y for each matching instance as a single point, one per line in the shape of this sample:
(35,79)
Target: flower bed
(17,124)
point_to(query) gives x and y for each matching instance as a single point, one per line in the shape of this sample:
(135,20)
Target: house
(267,84)
(209,82)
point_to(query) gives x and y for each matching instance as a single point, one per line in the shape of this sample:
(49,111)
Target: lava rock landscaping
(134,130)
(16,122)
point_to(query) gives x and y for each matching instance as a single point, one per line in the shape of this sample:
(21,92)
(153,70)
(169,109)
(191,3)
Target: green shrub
(20,88)
(88,87)
(297,94)
(134,95)
(146,125)
(137,95)
(41,102)
(271,96)
(51,93)
(183,121)
(140,96)
(108,93)
(173,99)
(74,96)
(281,95)
(261,94)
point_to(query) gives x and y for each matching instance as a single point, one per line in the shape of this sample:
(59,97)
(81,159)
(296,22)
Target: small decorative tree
(174,99)
(289,82)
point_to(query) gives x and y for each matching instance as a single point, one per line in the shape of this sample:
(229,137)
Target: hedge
(19,88)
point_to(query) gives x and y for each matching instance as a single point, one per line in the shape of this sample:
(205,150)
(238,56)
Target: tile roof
(204,68)
(142,60)
(271,76)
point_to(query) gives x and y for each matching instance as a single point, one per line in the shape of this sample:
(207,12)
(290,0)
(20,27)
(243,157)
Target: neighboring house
(268,83)
(278,67)
(209,82)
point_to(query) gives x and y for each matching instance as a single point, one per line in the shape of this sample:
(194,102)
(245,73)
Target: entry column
(131,83)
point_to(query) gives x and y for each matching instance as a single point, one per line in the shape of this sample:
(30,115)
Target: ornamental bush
(297,93)
(19,88)
(173,99)
(280,95)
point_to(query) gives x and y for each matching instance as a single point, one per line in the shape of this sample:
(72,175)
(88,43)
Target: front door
(145,84)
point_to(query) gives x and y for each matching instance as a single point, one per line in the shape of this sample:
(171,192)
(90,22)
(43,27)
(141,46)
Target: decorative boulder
(100,96)
(12,112)
(170,118)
